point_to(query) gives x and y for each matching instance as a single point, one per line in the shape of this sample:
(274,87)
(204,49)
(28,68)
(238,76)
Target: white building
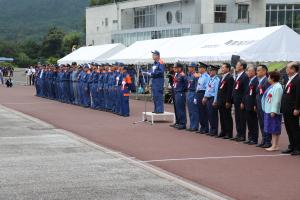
(133,20)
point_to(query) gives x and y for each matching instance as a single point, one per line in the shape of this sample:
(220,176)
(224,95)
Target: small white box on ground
(158,116)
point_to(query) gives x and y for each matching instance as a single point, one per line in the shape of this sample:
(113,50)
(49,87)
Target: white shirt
(290,79)
(224,76)
(239,75)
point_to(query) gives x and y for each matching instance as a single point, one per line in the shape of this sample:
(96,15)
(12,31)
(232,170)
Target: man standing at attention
(157,75)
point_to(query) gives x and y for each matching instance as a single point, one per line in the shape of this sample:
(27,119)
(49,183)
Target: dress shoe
(287,151)
(247,142)
(234,139)
(260,145)
(252,143)
(221,135)
(226,137)
(295,153)
(241,139)
(173,125)
(193,130)
(200,132)
(265,146)
(181,127)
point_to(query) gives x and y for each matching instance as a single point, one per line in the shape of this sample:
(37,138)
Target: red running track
(258,176)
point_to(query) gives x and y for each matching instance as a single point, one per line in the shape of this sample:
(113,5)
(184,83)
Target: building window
(106,21)
(178,16)
(280,14)
(169,17)
(243,11)
(220,13)
(144,17)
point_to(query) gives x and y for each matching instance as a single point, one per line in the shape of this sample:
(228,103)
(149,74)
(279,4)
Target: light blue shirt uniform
(212,88)
(203,82)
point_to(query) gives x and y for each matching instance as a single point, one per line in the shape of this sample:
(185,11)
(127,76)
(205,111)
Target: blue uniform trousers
(212,114)
(193,110)
(180,100)
(158,94)
(202,112)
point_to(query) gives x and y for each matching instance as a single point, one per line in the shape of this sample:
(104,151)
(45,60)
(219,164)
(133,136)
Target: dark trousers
(180,100)
(212,114)
(226,121)
(174,104)
(252,123)
(292,128)
(266,138)
(193,110)
(240,121)
(202,113)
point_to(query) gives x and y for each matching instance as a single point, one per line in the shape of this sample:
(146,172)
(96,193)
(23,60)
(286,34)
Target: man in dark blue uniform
(157,75)
(193,109)
(180,97)
(85,86)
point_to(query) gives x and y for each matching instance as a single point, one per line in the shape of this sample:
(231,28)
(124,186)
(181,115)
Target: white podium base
(159,116)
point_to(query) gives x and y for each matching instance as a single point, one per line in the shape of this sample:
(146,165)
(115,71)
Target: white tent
(278,43)
(138,50)
(92,54)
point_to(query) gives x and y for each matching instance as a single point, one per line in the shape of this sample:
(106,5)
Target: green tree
(31,48)
(70,40)
(23,60)
(52,43)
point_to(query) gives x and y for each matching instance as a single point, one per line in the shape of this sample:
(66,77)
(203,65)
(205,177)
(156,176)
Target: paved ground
(40,162)
(234,169)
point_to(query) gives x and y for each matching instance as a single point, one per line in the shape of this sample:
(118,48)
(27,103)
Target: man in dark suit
(239,90)
(263,85)
(249,103)
(290,107)
(224,101)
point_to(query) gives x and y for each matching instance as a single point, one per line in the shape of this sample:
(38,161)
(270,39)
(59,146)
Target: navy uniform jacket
(260,90)
(192,82)
(157,74)
(291,97)
(225,90)
(240,88)
(181,83)
(100,81)
(249,99)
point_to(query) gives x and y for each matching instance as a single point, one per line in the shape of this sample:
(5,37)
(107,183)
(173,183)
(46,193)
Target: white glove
(147,73)
(123,83)
(195,101)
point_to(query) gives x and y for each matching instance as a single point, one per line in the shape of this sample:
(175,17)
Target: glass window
(268,19)
(144,17)
(281,17)
(296,23)
(220,13)
(106,21)
(289,18)
(178,16)
(273,18)
(243,11)
(169,17)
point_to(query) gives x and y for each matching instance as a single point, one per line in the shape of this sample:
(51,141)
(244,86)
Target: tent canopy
(91,54)
(279,43)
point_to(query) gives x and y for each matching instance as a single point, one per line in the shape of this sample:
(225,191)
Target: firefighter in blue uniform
(192,79)
(125,84)
(180,88)
(100,88)
(157,75)
(85,86)
(115,87)
(93,84)
(80,85)
(60,79)
(210,100)
(105,87)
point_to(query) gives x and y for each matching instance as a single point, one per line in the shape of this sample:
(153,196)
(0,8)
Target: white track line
(212,158)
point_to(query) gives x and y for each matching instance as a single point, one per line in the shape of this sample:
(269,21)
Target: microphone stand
(145,120)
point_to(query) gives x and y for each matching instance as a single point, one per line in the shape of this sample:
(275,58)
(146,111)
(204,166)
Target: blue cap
(86,66)
(121,64)
(155,52)
(193,64)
